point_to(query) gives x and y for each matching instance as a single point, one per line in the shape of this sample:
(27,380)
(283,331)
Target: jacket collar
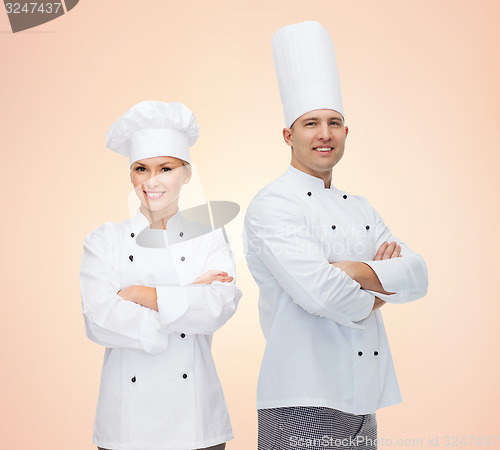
(179,228)
(305,180)
(140,221)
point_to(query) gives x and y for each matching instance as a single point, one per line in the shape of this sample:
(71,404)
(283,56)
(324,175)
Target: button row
(335,226)
(133,379)
(180,234)
(310,193)
(131,257)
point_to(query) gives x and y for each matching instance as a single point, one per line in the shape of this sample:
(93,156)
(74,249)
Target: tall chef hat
(306,68)
(154,128)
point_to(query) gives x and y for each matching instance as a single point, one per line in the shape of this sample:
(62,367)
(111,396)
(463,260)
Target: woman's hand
(213,275)
(378,303)
(144,295)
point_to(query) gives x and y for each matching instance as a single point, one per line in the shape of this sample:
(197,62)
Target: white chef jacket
(159,386)
(324,346)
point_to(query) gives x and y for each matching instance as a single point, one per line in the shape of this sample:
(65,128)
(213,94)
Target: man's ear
(287,136)
(346,130)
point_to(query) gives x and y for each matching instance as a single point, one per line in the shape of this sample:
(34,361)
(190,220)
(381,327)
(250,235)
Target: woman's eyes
(142,169)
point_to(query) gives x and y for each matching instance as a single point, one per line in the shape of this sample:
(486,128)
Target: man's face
(317,139)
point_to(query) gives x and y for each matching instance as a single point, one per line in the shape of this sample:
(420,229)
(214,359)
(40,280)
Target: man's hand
(213,275)
(388,251)
(364,274)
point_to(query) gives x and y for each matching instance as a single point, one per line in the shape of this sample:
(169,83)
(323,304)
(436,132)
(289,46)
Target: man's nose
(324,132)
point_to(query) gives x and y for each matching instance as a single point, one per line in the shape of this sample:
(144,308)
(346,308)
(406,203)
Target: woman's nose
(152,181)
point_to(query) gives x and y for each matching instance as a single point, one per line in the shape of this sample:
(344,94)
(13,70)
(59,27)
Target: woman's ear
(188,175)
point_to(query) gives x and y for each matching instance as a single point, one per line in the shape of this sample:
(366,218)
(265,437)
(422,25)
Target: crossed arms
(366,276)
(281,246)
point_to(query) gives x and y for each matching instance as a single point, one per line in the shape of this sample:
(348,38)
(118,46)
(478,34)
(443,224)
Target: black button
(309,193)
(133,380)
(131,257)
(344,196)
(182,258)
(181,234)
(367,227)
(334,226)
(183,335)
(184,375)
(375,353)
(360,353)
(132,234)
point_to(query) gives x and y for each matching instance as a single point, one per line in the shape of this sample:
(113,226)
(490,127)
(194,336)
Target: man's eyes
(335,123)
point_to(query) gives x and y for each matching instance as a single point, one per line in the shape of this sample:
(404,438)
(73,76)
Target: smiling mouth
(323,149)
(154,194)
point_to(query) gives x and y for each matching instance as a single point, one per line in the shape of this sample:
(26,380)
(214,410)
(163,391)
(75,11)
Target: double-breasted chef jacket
(324,346)
(159,387)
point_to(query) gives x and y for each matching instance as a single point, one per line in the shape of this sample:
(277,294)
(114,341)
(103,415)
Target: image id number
(33,8)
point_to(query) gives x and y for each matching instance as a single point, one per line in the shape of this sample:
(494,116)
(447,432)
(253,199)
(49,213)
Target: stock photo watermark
(317,240)
(28,14)
(330,442)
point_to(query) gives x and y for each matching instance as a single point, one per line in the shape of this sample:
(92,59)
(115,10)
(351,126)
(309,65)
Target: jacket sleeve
(201,308)
(406,275)
(110,320)
(276,234)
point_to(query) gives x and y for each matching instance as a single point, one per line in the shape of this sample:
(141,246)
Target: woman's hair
(187,166)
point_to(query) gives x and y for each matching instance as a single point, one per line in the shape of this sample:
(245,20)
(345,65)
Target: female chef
(154,289)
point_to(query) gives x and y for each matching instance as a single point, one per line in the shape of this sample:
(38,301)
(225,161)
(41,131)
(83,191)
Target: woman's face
(158,181)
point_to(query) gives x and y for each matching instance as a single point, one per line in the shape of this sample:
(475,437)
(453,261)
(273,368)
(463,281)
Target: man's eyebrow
(307,119)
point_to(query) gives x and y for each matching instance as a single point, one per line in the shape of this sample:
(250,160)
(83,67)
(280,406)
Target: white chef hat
(153,128)
(306,68)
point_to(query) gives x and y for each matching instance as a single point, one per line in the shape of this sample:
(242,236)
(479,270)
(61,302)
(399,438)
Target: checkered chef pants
(315,428)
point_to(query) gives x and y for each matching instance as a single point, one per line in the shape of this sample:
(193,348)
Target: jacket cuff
(172,303)
(150,329)
(391,273)
(362,313)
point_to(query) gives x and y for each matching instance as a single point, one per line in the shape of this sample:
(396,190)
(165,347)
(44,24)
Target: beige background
(421,92)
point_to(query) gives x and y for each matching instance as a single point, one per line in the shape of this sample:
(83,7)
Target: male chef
(325,262)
